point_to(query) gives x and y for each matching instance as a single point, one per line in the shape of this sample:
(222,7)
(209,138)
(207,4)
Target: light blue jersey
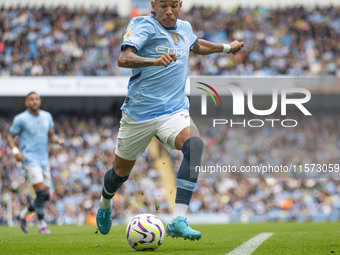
(157,90)
(33,134)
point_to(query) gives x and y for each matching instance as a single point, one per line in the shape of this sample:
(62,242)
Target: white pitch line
(251,245)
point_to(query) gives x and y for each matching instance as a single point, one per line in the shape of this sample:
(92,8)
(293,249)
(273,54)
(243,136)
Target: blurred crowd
(283,41)
(305,195)
(78,171)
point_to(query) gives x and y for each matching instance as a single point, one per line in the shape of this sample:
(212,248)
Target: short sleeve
(137,33)
(16,127)
(192,37)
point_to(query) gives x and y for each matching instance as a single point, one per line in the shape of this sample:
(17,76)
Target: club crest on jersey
(186,39)
(175,37)
(129,32)
(38,122)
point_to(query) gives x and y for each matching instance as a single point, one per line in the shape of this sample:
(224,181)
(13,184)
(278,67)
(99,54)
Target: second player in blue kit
(157,49)
(35,128)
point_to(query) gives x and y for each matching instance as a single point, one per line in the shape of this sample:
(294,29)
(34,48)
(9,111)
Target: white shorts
(134,137)
(37,174)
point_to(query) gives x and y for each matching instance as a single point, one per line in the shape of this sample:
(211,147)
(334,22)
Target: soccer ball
(145,232)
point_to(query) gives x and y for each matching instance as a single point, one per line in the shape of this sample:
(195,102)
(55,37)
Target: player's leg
(46,185)
(113,180)
(186,139)
(35,178)
(133,138)
(39,203)
(192,148)
(23,214)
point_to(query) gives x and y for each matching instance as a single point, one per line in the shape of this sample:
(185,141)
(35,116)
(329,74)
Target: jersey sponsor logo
(128,33)
(178,52)
(175,37)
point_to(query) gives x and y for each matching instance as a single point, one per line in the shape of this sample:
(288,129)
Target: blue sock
(112,183)
(187,176)
(39,204)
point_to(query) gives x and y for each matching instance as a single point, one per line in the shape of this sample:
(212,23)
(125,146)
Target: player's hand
(166,59)
(236,46)
(20,157)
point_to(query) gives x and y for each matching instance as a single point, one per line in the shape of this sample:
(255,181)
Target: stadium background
(52,49)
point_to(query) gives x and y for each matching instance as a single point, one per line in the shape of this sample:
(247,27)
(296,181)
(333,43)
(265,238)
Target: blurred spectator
(36,68)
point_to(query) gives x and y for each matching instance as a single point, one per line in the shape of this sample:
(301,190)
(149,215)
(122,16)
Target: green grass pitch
(288,238)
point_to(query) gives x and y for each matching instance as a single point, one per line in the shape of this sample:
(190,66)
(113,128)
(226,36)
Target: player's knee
(39,201)
(112,176)
(119,172)
(122,167)
(193,146)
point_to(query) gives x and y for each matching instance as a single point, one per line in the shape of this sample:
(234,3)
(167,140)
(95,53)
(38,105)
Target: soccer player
(35,128)
(157,48)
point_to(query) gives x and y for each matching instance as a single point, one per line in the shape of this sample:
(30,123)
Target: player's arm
(203,47)
(129,59)
(54,138)
(15,151)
